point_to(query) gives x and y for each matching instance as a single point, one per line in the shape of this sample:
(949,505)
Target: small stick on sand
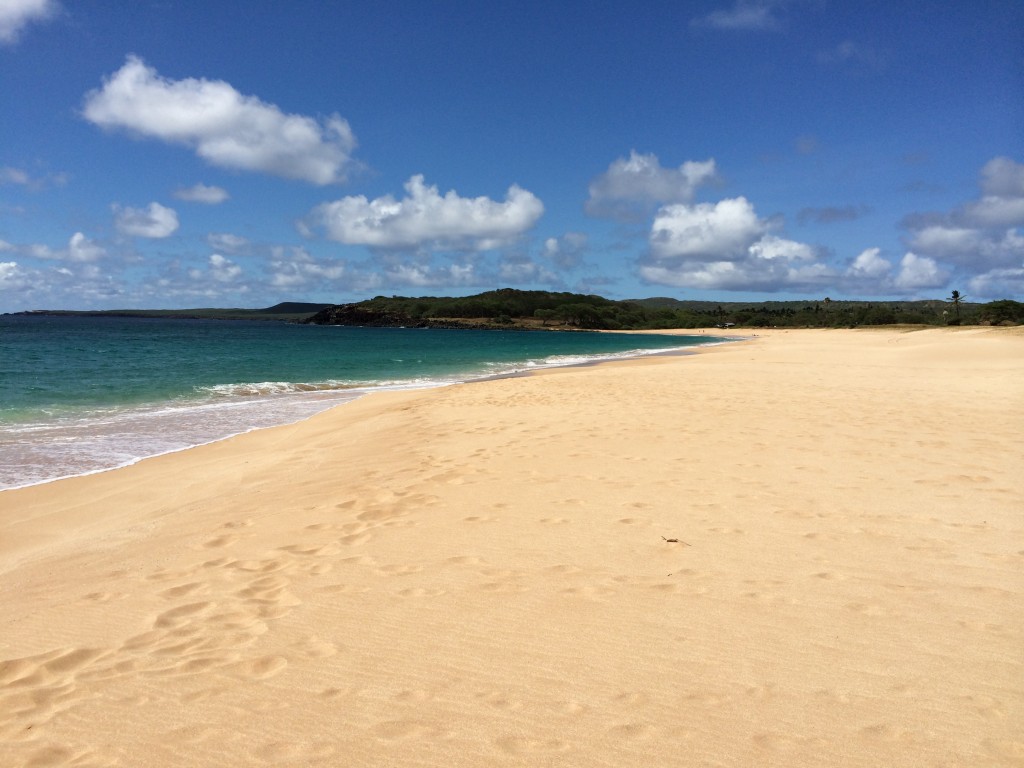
(674,541)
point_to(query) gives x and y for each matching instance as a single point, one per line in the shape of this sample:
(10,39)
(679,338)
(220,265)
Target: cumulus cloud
(918,272)
(296,268)
(756,15)
(772,248)
(12,276)
(998,283)
(721,231)
(982,234)
(869,265)
(201,193)
(633,186)
(224,127)
(79,249)
(15,15)
(726,246)
(82,249)
(154,221)
(426,219)
(1002,177)
(219,268)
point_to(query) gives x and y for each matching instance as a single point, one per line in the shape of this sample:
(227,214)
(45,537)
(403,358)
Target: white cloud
(155,221)
(421,276)
(200,193)
(633,186)
(82,249)
(78,285)
(725,246)
(981,235)
(969,247)
(995,211)
(12,276)
(223,126)
(295,267)
(869,265)
(224,241)
(79,249)
(918,272)
(219,268)
(771,247)
(13,175)
(1002,177)
(15,15)
(721,231)
(751,275)
(744,15)
(566,251)
(424,218)
(19,177)
(998,283)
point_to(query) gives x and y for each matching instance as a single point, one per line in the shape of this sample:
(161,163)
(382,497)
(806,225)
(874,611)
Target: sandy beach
(802,549)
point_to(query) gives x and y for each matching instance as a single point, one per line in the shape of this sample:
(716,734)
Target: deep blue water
(84,394)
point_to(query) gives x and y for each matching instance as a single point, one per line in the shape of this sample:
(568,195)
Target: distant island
(547,310)
(292,311)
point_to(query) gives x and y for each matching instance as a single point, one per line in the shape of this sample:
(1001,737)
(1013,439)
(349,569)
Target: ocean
(87,394)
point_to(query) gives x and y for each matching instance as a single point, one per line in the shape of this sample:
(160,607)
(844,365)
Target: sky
(188,153)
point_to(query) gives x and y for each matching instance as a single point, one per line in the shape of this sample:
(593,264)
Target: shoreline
(289,406)
(802,550)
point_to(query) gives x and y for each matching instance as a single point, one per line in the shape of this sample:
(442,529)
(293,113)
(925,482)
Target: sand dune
(806,549)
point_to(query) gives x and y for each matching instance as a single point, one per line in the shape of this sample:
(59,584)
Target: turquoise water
(85,394)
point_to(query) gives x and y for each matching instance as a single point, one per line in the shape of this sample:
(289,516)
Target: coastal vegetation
(512,308)
(508,307)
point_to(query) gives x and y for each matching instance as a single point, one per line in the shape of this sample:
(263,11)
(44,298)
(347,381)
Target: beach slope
(803,549)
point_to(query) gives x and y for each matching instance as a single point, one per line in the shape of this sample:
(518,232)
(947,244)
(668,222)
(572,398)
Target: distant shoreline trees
(509,307)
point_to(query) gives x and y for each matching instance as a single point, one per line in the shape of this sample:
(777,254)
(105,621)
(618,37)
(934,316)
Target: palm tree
(956,298)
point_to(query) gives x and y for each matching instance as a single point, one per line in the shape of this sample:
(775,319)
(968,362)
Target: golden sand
(806,549)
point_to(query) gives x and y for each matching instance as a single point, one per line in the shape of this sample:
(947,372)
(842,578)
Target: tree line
(552,309)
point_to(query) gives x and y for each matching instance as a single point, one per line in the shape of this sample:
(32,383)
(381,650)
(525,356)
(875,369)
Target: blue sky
(186,154)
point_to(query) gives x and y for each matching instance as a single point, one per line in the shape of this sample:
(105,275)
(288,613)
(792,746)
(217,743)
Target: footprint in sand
(220,541)
(104,597)
(515,745)
(630,731)
(180,615)
(421,592)
(261,668)
(394,730)
(183,590)
(499,700)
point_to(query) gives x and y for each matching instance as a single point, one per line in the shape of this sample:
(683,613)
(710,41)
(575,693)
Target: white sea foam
(78,443)
(107,439)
